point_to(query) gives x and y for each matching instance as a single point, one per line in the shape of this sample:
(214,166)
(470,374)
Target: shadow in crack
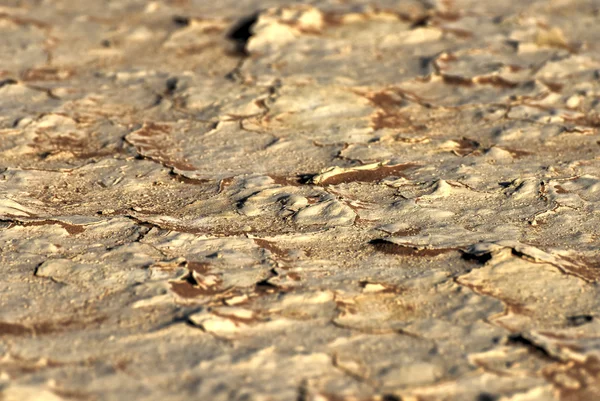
(241,32)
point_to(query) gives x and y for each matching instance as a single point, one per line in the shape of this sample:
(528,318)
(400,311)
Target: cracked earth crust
(342,200)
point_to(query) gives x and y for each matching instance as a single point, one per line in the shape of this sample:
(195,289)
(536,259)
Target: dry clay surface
(332,201)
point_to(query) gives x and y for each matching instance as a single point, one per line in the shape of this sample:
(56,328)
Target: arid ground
(341,200)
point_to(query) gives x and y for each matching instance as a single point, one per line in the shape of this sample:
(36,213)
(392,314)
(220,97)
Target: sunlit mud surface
(265,200)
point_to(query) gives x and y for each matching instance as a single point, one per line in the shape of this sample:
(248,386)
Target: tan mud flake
(71,229)
(552,37)
(516,153)
(461,147)
(197,284)
(271,247)
(10,208)
(581,266)
(278,26)
(392,248)
(48,327)
(187,290)
(373,172)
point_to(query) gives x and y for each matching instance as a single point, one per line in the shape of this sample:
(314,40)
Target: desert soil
(342,200)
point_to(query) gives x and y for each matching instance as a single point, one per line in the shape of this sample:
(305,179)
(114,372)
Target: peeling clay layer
(338,200)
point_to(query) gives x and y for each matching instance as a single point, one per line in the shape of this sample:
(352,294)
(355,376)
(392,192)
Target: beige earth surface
(330,201)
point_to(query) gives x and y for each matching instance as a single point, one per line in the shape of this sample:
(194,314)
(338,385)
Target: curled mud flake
(198,282)
(186,180)
(369,286)
(188,290)
(313,199)
(169,264)
(465,146)
(271,247)
(440,64)
(14,329)
(458,32)
(413,139)
(306,19)
(294,276)
(237,315)
(277,27)
(496,81)
(457,80)
(211,27)
(11,208)
(333,19)
(68,325)
(225,183)
(285,181)
(225,320)
(553,37)
(589,270)
(78,395)
(24,21)
(392,248)
(515,68)
(560,190)
(447,14)
(266,287)
(407,232)
(47,74)
(195,49)
(368,173)
(525,341)
(152,129)
(50,327)
(516,153)
(71,229)
(198,267)
(236,300)
(555,87)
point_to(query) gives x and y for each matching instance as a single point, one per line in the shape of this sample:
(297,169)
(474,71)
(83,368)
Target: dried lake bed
(339,200)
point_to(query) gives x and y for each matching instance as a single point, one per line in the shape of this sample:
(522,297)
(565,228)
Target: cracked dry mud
(266,200)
